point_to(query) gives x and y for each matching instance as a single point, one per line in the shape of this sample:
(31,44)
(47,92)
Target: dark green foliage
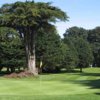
(11,49)
(69,61)
(76,38)
(28,18)
(94,40)
(32,19)
(76,32)
(71,56)
(49,51)
(84,53)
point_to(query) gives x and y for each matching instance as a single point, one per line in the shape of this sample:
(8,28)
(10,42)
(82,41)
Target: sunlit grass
(64,86)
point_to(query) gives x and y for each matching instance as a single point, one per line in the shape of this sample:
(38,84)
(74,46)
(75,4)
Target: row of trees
(87,44)
(78,49)
(29,25)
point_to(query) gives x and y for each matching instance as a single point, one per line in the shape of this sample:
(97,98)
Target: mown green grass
(64,86)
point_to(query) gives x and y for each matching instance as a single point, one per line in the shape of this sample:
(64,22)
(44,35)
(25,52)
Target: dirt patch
(19,75)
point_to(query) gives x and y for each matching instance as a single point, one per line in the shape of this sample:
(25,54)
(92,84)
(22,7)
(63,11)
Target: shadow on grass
(92,83)
(89,74)
(97,93)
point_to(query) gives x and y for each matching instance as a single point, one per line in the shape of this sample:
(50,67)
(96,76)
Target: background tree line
(79,48)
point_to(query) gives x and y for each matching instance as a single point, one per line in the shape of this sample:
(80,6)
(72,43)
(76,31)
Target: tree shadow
(89,74)
(97,93)
(92,83)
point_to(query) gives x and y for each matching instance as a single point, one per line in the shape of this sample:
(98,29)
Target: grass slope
(65,86)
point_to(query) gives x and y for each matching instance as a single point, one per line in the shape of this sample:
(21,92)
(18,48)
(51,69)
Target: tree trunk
(30,52)
(81,69)
(12,69)
(40,66)
(32,65)
(8,69)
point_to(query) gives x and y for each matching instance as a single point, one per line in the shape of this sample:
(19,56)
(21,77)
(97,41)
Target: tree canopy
(28,18)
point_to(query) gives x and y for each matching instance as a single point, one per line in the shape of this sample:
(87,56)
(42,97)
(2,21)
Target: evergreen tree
(77,39)
(49,51)
(27,18)
(12,54)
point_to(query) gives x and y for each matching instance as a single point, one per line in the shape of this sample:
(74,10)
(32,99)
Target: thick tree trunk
(32,65)
(30,53)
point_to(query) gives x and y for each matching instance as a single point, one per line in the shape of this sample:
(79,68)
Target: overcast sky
(82,13)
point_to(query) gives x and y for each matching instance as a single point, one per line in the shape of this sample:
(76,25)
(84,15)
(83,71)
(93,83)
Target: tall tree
(49,50)
(84,53)
(28,18)
(77,37)
(71,58)
(94,40)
